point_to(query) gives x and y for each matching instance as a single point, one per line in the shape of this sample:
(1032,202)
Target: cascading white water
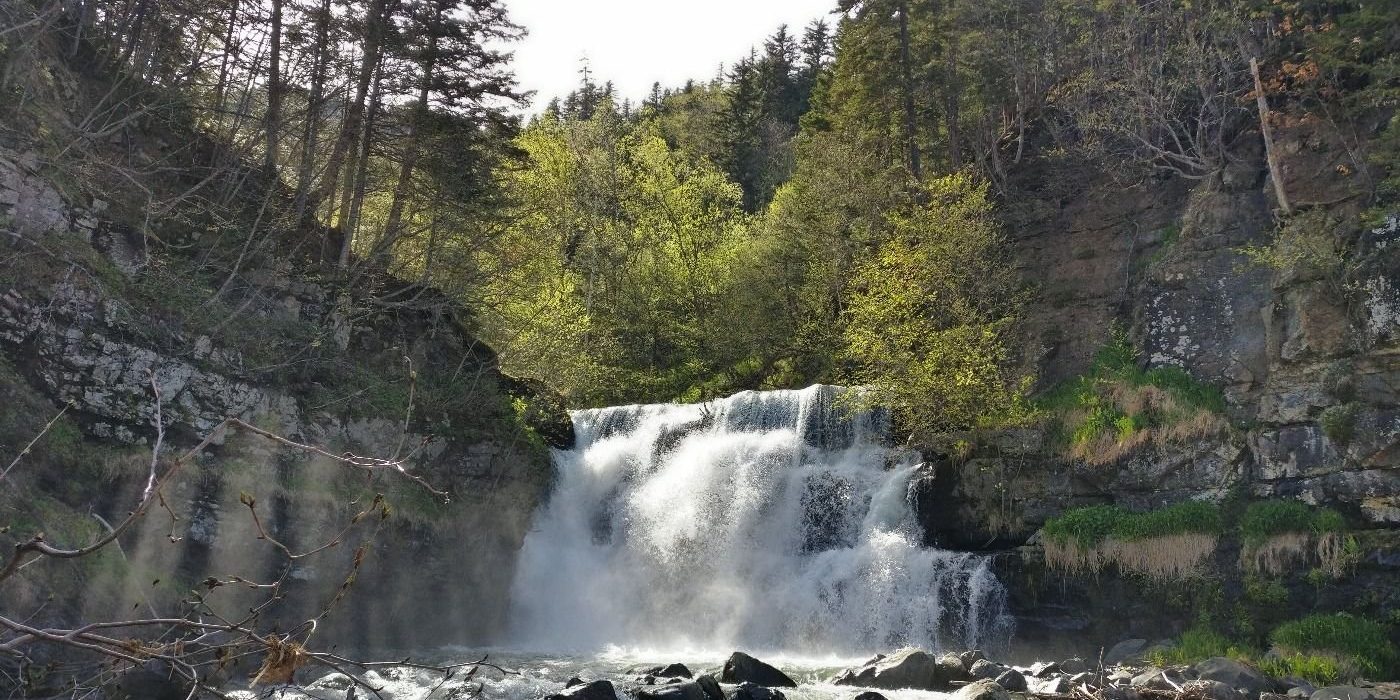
(774,521)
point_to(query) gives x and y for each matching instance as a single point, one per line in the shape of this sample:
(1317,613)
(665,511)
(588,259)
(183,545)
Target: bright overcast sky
(637,42)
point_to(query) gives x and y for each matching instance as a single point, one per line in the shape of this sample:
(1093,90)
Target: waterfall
(774,520)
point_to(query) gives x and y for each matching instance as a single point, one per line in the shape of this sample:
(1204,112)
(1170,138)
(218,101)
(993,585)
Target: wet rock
(1343,692)
(971,657)
(1126,650)
(573,682)
(1209,690)
(1233,674)
(907,668)
(1012,680)
(1299,688)
(1117,693)
(668,671)
(986,670)
(981,690)
(1044,669)
(1159,679)
(753,691)
(597,690)
(671,691)
(869,695)
(152,681)
(1073,666)
(951,668)
(711,687)
(1052,686)
(1121,676)
(741,667)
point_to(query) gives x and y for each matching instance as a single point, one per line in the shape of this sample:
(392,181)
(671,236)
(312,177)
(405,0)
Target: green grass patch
(1320,670)
(1266,519)
(1117,406)
(1361,645)
(1199,644)
(1090,526)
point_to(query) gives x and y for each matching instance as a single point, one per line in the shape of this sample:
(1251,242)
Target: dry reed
(1284,552)
(1169,557)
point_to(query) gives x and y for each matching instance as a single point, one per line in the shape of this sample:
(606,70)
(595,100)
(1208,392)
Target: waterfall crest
(774,520)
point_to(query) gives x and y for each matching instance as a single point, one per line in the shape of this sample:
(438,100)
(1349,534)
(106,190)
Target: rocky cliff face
(90,321)
(1309,365)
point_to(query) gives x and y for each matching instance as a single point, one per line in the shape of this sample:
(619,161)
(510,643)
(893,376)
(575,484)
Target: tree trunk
(273,115)
(354,118)
(310,135)
(951,93)
(1274,173)
(357,181)
(907,79)
(394,224)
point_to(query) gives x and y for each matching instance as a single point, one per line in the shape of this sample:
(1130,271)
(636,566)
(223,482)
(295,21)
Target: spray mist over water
(774,521)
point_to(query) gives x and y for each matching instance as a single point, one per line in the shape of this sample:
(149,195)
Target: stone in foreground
(982,690)
(742,668)
(597,690)
(1234,674)
(906,668)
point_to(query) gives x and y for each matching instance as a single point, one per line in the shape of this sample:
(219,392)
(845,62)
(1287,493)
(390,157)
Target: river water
(777,523)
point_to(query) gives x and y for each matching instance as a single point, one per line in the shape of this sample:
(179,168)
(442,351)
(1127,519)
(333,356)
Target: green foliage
(1265,519)
(1320,670)
(1308,243)
(1265,592)
(1116,405)
(1197,644)
(1362,644)
(1091,525)
(1339,423)
(929,318)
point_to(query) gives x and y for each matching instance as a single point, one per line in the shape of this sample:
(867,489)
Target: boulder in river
(1234,674)
(981,690)
(668,671)
(1012,680)
(971,657)
(597,690)
(1052,686)
(710,686)
(741,667)
(1203,689)
(984,670)
(670,691)
(1126,650)
(1159,679)
(1044,669)
(1073,666)
(952,668)
(869,695)
(1343,692)
(906,668)
(754,691)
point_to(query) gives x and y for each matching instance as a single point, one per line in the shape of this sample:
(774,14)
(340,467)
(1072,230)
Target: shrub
(1117,407)
(1361,646)
(1339,423)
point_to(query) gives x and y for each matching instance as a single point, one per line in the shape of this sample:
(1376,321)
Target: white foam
(769,521)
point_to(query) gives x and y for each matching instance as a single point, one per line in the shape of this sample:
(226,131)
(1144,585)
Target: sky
(637,42)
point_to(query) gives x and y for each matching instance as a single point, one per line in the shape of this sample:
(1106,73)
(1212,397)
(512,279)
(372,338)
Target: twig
(36,439)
